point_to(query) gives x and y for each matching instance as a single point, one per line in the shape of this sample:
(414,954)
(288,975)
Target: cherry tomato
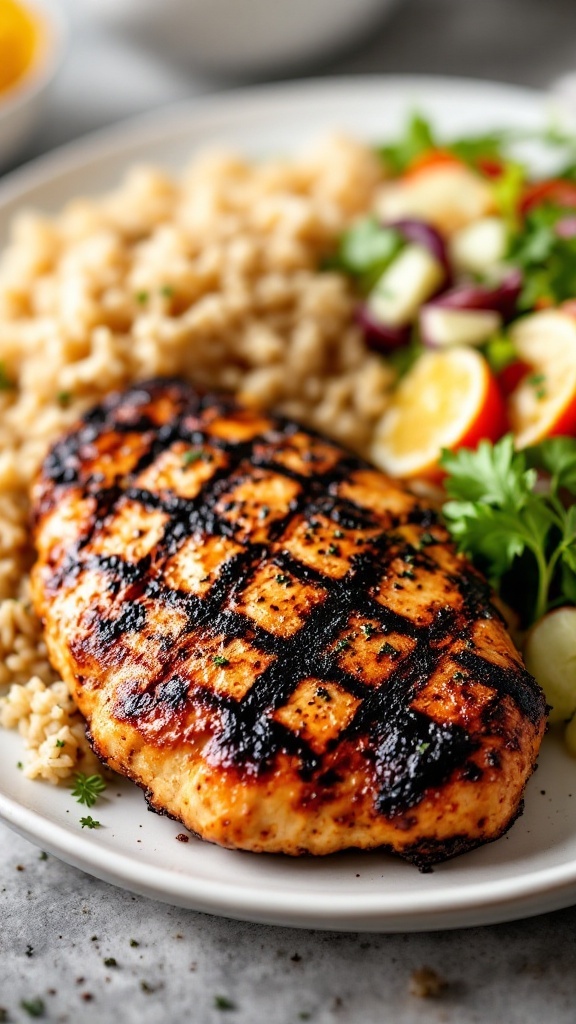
(431,160)
(555,190)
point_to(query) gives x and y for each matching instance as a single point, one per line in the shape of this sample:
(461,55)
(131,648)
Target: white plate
(529,871)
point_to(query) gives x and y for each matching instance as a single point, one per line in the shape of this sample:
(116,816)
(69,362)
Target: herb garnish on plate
(505,510)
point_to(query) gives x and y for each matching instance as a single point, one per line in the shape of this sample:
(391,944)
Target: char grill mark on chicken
(276,641)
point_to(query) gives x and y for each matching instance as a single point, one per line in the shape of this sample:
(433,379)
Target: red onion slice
(419,232)
(379,337)
(502,297)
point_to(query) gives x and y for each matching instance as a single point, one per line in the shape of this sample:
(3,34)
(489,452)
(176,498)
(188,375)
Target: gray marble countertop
(57,925)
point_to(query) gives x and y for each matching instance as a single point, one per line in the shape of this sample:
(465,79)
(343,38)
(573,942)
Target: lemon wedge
(18,36)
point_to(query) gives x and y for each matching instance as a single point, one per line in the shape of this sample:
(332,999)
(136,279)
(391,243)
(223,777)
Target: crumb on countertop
(426,983)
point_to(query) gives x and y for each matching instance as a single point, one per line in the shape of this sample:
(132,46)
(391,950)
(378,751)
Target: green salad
(465,278)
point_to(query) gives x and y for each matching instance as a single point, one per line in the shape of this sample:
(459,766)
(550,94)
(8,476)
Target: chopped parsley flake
(110,961)
(87,788)
(389,649)
(90,822)
(408,574)
(537,381)
(342,644)
(223,1003)
(134,942)
(60,743)
(195,455)
(368,628)
(426,539)
(142,297)
(64,398)
(167,291)
(33,1007)
(19,764)
(285,580)
(333,549)
(220,660)
(338,534)
(458,676)
(422,747)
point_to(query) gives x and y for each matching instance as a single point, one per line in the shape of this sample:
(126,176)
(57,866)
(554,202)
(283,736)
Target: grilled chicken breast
(278,643)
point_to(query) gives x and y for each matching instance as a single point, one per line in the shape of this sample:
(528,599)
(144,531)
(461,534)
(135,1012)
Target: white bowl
(247,37)
(21,104)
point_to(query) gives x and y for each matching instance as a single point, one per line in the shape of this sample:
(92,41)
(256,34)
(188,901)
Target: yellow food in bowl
(18,42)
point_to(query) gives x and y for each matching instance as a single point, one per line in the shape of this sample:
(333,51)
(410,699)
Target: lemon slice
(544,403)
(448,399)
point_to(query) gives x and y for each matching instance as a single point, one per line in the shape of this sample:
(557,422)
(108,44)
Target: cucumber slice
(550,655)
(412,278)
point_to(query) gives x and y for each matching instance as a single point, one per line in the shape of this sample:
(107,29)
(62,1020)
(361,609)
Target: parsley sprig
(419,138)
(545,255)
(506,512)
(87,788)
(90,822)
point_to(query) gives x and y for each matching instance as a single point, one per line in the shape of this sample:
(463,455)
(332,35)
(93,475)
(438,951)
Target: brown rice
(213,277)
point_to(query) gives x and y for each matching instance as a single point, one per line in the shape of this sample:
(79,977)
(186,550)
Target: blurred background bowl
(21,103)
(242,37)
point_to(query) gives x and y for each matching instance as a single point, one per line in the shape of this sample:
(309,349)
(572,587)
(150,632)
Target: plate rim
(151,126)
(434,911)
(554,886)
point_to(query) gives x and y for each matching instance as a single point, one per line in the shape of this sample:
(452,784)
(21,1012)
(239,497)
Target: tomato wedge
(555,190)
(490,166)
(510,377)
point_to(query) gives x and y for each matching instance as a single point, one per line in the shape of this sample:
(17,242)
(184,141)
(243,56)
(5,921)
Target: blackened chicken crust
(277,642)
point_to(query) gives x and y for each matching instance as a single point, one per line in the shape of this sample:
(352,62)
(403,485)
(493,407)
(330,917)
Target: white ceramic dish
(529,871)
(21,106)
(241,37)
